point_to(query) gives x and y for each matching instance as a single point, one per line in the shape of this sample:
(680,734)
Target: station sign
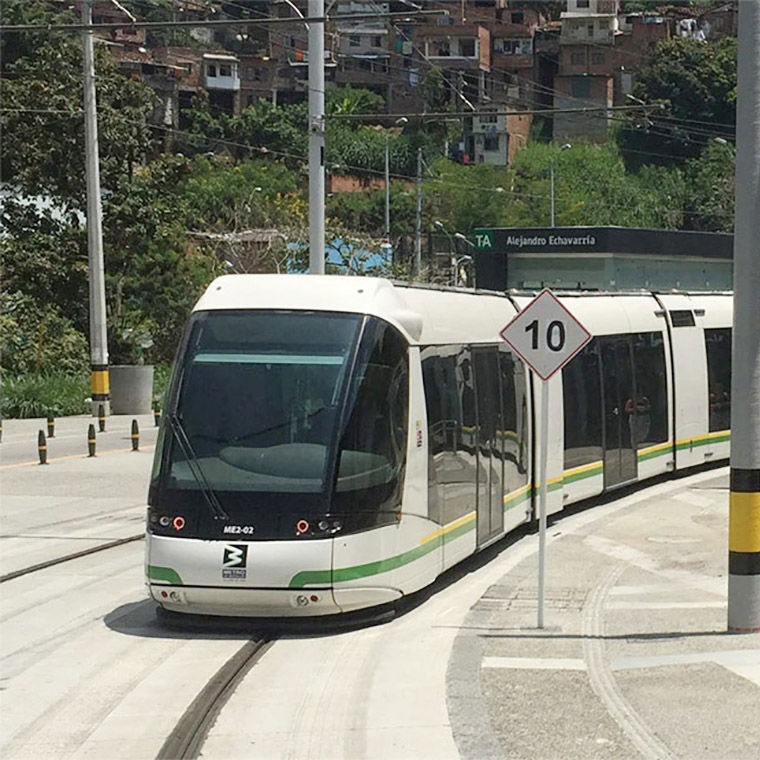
(545,334)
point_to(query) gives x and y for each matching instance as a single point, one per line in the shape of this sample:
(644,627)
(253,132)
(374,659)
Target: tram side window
(514,421)
(648,412)
(718,345)
(372,451)
(450,402)
(582,402)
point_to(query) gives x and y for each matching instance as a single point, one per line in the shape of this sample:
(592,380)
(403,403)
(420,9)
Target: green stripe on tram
(165,574)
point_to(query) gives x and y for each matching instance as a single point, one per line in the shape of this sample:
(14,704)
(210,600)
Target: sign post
(546,336)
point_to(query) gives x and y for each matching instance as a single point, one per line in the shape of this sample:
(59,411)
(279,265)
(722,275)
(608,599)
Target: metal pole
(418,222)
(316,139)
(542,500)
(551,194)
(99,385)
(387,191)
(744,505)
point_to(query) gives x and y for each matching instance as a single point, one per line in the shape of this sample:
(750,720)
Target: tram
(336,443)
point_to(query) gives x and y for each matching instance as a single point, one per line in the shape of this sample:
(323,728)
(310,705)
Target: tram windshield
(274,410)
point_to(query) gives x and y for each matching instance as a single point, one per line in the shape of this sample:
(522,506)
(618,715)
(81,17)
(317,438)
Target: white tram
(334,443)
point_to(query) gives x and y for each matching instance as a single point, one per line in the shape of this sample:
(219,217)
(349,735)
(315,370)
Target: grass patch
(60,394)
(37,395)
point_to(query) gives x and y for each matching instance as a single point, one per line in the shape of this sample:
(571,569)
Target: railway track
(187,738)
(68,557)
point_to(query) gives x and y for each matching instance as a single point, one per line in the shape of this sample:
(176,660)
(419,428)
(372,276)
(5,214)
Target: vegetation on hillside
(171,211)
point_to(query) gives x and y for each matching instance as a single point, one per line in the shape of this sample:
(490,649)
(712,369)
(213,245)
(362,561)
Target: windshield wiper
(180,435)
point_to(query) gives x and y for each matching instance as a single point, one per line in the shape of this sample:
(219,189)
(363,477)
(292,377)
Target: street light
(399,122)
(566,146)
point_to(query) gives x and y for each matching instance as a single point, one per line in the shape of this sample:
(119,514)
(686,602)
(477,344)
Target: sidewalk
(634,659)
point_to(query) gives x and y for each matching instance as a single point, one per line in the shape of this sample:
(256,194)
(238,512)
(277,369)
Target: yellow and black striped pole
(744,551)
(135,436)
(51,426)
(102,418)
(42,447)
(91,441)
(100,390)
(744,504)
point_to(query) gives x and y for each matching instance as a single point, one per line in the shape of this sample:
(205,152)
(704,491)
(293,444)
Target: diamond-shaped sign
(545,334)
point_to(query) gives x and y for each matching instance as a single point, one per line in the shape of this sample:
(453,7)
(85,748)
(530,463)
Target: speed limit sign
(545,334)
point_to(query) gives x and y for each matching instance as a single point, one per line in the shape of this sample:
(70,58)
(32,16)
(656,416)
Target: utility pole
(316,138)
(99,385)
(744,504)
(418,221)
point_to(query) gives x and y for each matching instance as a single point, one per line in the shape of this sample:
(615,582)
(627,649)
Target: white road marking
(743,662)
(534,663)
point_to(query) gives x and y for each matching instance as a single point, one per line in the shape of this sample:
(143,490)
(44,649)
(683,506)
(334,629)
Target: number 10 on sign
(546,336)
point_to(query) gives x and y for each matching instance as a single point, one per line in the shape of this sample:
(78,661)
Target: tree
(691,87)
(42,149)
(710,179)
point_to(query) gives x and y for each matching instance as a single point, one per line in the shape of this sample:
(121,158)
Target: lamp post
(399,122)
(566,146)
(459,260)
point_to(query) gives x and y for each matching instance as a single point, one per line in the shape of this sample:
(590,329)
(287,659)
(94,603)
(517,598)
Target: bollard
(1,430)
(102,418)
(91,441)
(135,436)
(157,416)
(51,426)
(42,447)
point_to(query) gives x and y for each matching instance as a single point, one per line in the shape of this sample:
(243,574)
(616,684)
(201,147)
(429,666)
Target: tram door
(489,445)
(618,392)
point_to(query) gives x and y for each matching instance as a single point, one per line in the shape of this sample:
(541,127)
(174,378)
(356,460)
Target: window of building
(467,47)
(518,17)
(718,345)
(377,41)
(581,87)
(597,57)
(225,70)
(210,70)
(491,142)
(354,40)
(578,58)
(589,30)
(582,4)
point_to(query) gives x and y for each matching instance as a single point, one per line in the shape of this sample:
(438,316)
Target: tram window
(258,399)
(514,421)
(372,451)
(582,402)
(648,412)
(443,420)
(682,318)
(718,345)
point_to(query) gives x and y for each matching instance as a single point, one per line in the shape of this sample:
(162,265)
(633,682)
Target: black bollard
(51,426)
(135,436)
(91,441)
(157,416)
(42,447)
(101,418)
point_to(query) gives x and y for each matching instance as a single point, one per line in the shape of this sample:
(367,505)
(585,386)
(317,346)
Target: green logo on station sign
(483,240)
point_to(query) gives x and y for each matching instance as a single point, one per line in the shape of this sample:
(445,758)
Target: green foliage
(36,338)
(591,187)
(352,100)
(710,178)
(44,255)
(465,197)
(42,150)
(38,394)
(692,86)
